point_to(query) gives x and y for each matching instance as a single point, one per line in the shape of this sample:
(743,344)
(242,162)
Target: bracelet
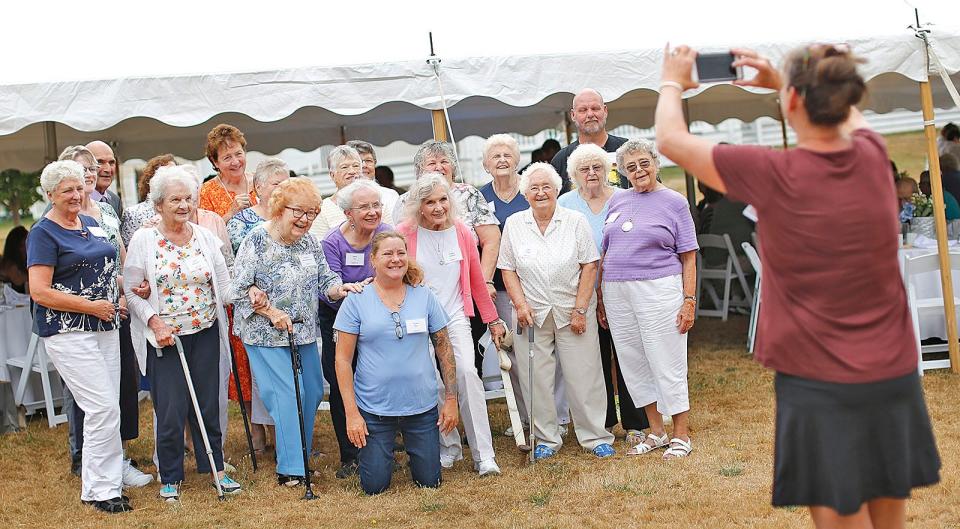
(489,282)
(671,84)
(497,321)
(690,298)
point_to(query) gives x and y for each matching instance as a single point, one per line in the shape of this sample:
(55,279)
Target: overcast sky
(61,40)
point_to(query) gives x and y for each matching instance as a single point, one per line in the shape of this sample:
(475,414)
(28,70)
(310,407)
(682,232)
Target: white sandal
(643,448)
(678,448)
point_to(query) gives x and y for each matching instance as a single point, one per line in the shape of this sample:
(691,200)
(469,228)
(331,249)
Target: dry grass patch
(725,483)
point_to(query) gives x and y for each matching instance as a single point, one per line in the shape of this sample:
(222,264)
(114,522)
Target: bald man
(108,171)
(589,114)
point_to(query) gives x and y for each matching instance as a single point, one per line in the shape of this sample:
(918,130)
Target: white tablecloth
(15,324)
(928,286)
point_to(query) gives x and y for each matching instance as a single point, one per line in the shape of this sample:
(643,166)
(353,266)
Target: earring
(353,226)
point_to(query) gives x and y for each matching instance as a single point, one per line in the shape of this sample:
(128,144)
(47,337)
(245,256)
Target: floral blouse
(241,224)
(110,224)
(133,219)
(293,277)
(184,286)
(215,197)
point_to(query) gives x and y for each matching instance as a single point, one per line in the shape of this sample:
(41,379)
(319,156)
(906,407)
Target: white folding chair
(726,273)
(913,268)
(755,309)
(36,361)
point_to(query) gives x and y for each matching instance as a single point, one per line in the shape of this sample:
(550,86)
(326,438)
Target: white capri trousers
(89,364)
(471,398)
(653,354)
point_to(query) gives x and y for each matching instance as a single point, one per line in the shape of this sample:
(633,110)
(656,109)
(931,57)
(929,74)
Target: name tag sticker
(97,231)
(613,216)
(493,206)
(417,326)
(307,260)
(354,259)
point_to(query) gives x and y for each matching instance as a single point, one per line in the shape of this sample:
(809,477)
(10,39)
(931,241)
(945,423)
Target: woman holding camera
(836,327)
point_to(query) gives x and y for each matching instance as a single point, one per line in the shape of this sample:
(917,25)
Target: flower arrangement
(922,205)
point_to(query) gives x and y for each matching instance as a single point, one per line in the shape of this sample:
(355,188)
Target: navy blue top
(502,210)
(84,264)
(395,377)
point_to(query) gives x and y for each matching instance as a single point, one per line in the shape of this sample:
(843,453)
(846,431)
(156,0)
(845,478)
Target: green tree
(18,192)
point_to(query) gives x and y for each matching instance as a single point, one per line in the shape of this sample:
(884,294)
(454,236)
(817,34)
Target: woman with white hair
(447,253)
(72,269)
(648,276)
(182,263)
(345,166)
(549,266)
(268,175)
(588,167)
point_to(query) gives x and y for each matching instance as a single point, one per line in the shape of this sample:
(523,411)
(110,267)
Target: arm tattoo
(448,366)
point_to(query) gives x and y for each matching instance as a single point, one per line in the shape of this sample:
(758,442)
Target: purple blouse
(644,235)
(351,264)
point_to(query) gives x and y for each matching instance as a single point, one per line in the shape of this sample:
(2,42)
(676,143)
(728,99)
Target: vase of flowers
(921,213)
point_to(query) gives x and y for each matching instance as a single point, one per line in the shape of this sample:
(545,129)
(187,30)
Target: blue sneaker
(170,492)
(228,485)
(603,450)
(543,452)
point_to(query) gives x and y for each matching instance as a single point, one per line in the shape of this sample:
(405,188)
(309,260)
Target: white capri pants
(89,364)
(653,354)
(471,398)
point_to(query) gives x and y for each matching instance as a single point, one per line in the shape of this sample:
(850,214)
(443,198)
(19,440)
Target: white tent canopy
(305,108)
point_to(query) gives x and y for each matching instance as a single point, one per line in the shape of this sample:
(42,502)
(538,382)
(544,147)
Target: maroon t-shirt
(833,303)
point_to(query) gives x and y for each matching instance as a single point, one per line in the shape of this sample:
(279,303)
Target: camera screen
(715,67)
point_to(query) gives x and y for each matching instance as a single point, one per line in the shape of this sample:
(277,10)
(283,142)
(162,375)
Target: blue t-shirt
(394,376)
(574,201)
(502,210)
(84,264)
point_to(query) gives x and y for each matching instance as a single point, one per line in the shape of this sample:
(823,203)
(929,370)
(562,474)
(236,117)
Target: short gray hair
(267,168)
(949,162)
(75,151)
(345,195)
(434,148)
(167,176)
(339,154)
(57,172)
(498,140)
(587,153)
(423,187)
(363,147)
(540,167)
(637,145)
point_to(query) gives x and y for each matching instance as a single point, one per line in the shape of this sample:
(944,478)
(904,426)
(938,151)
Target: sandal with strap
(644,447)
(678,448)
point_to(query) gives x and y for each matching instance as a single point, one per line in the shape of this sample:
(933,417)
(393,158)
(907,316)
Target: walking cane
(196,411)
(533,441)
(243,410)
(297,369)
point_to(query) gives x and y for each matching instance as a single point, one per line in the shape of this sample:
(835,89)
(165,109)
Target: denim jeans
(421,437)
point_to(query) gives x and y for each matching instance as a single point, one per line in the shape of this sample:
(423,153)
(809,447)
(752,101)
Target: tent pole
(439,126)
(343,135)
(691,187)
(49,142)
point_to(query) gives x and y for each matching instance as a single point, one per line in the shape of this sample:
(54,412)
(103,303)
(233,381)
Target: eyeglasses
(637,167)
(396,322)
(591,168)
(376,206)
(546,188)
(299,213)
(92,169)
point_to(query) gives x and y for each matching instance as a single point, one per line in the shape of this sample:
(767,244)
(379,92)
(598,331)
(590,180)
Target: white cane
(533,440)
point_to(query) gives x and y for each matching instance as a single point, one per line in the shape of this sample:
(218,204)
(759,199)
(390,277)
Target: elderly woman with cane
(281,273)
(72,270)
(835,326)
(451,264)
(188,278)
(347,249)
(549,265)
(648,277)
(389,327)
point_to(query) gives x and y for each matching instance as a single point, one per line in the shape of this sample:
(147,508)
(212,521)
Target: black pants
(477,330)
(171,401)
(328,354)
(631,417)
(129,390)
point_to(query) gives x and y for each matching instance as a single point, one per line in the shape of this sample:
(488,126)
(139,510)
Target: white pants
(89,364)
(578,356)
(471,397)
(505,310)
(652,352)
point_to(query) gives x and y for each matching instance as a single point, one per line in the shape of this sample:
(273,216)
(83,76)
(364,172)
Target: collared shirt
(97,196)
(548,264)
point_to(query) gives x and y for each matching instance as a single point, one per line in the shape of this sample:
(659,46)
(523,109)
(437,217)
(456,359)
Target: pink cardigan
(471,277)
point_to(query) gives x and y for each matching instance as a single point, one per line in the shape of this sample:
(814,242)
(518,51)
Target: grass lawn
(724,483)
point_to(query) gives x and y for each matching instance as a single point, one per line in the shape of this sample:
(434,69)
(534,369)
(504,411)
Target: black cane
(297,369)
(243,410)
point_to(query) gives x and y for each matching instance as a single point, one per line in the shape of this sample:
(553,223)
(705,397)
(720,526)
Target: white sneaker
(487,467)
(447,461)
(133,477)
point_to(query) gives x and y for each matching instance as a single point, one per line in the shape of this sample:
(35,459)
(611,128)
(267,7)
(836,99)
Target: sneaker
(562,430)
(228,485)
(346,470)
(447,461)
(543,452)
(111,506)
(133,477)
(170,492)
(288,481)
(634,437)
(75,465)
(487,467)
(603,450)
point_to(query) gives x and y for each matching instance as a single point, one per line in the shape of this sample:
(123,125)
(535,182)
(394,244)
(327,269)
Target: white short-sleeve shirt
(548,264)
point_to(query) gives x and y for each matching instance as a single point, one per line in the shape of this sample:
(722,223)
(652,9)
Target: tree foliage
(18,192)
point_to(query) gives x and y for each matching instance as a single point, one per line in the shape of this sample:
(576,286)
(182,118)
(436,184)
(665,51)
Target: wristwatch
(497,321)
(691,298)
(580,311)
